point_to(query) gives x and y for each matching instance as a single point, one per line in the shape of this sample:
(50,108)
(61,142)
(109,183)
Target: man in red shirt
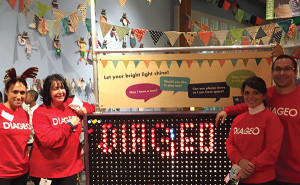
(282,99)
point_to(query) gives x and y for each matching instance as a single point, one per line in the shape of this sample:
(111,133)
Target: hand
(247,166)
(241,175)
(221,115)
(81,111)
(75,120)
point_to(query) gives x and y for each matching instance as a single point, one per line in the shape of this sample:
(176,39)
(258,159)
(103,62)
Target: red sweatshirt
(286,106)
(257,138)
(56,152)
(13,138)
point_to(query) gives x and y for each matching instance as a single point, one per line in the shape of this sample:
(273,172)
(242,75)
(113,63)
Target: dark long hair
(45,93)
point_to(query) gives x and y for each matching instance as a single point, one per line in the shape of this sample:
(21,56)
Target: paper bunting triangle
(205,36)
(258,21)
(147,62)
(239,15)
(121,32)
(139,33)
(190,37)
(56,27)
(74,20)
(189,63)
(155,35)
(191,23)
(105,28)
(65,23)
(21,5)
(88,24)
(268,29)
(58,14)
(269,60)
(200,62)
(258,60)
(247,16)
(204,27)
(222,62)
(245,61)
(260,33)
(12,3)
(126,62)
(115,62)
(122,2)
(255,41)
(221,35)
(158,63)
(277,37)
(27,4)
(210,62)
(252,31)
(172,36)
(42,26)
(50,25)
(265,40)
(292,31)
(104,63)
(296,20)
(246,42)
(169,62)
(226,5)
(179,62)
(285,25)
(237,33)
(234,61)
(83,9)
(42,9)
(136,63)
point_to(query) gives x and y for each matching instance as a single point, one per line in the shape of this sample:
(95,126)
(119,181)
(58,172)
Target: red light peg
(133,125)
(124,125)
(168,154)
(163,154)
(167,140)
(110,149)
(157,149)
(192,125)
(138,125)
(157,125)
(162,125)
(167,130)
(143,125)
(181,125)
(187,125)
(162,139)
(109,126)
(90,131)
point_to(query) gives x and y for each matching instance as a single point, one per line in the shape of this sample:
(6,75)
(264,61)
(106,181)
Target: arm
(47,135)
(231,110)
(273,139)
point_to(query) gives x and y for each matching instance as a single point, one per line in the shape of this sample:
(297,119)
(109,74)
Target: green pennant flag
(50,25)
(42,8)
(269,9)
(237,33)
(258,60)
(200,62)
(285,25)
(234,61)
(65,23)
(136,63)
(158,63)
(296,21)
(115,62)
(245,61)
(210,62)
(169,62)
(239,15)
(228,42)
(179,62)
(126,62)
(121,32)
(88,24)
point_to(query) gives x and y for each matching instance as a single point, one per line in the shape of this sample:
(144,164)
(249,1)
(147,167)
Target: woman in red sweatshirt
(255,137)
(56,152)
(14,130)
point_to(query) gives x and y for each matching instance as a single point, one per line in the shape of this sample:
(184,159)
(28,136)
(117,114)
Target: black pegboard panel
(158,148)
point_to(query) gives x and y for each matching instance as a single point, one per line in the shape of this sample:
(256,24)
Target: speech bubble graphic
(236,78)
(143,91)
(209,90)
(175,84)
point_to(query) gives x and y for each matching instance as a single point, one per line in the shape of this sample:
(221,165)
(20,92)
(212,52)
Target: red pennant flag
(147,62)
(258,21)
(189,63)
(204,27)
(269,60)
(21,5)
(205,36)
(12,3)
(246,42)
(139,33)
(222,62)
(226,5)
(104,62)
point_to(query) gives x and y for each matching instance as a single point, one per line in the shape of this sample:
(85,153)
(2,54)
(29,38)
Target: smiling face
(284,73)
(252,97)
(16,94)
(57,93)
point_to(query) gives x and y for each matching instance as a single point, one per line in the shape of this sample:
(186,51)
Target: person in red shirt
(14,130)
(56,152)
(283,100)
(260,126)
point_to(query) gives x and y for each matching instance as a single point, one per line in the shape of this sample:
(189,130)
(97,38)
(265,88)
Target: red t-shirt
(56,152)
(257,138)
(13,138)
(287,107)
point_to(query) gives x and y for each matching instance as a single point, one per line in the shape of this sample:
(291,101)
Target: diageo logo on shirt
(249,131)
(56,121)
(19,126)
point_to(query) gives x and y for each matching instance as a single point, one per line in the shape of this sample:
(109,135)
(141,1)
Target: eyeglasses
(285,69)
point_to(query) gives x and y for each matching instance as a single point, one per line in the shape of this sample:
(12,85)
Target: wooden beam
(185,8)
